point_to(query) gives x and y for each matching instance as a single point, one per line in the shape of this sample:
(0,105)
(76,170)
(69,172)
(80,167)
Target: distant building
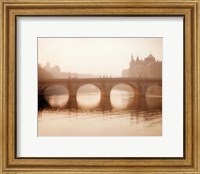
(149,67)
(55,72)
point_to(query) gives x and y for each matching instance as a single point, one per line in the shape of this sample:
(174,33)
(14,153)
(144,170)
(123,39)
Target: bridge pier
(141,92)
(140,101)
(105,91)
(137,103)
(105,103)
(142,105)
(72,102)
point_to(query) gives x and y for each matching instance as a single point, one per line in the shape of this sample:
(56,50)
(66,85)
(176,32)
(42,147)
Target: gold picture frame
(10,9)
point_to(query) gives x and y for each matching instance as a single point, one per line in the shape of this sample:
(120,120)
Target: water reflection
(121,115)
(120,102)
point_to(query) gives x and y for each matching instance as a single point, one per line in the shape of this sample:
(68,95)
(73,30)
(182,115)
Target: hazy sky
(96,55)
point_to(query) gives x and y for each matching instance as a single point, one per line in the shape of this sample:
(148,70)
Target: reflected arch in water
(88,96)
(56,96)
(154,103)
(122,95)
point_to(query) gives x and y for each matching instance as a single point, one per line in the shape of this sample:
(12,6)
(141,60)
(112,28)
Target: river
(122,115)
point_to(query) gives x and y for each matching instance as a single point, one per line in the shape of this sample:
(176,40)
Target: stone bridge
(105,85)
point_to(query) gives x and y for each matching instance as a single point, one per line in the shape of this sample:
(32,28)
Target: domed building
(148,67)
(149,59)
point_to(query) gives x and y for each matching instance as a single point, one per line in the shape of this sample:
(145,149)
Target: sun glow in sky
(96,55)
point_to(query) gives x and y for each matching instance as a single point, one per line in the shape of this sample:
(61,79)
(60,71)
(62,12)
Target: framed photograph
(99,86)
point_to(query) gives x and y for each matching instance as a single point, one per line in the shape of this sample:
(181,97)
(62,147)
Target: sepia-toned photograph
(100,86)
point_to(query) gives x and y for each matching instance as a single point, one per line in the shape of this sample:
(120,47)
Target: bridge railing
(103,78)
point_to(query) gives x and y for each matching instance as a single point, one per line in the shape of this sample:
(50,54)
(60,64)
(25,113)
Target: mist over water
(122,115)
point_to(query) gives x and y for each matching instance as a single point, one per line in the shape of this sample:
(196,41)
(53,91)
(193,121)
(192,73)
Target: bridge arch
(56,95)
(84,84)
(121,95)
(154,89)
(88,95)
(43,87)
(133,86)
